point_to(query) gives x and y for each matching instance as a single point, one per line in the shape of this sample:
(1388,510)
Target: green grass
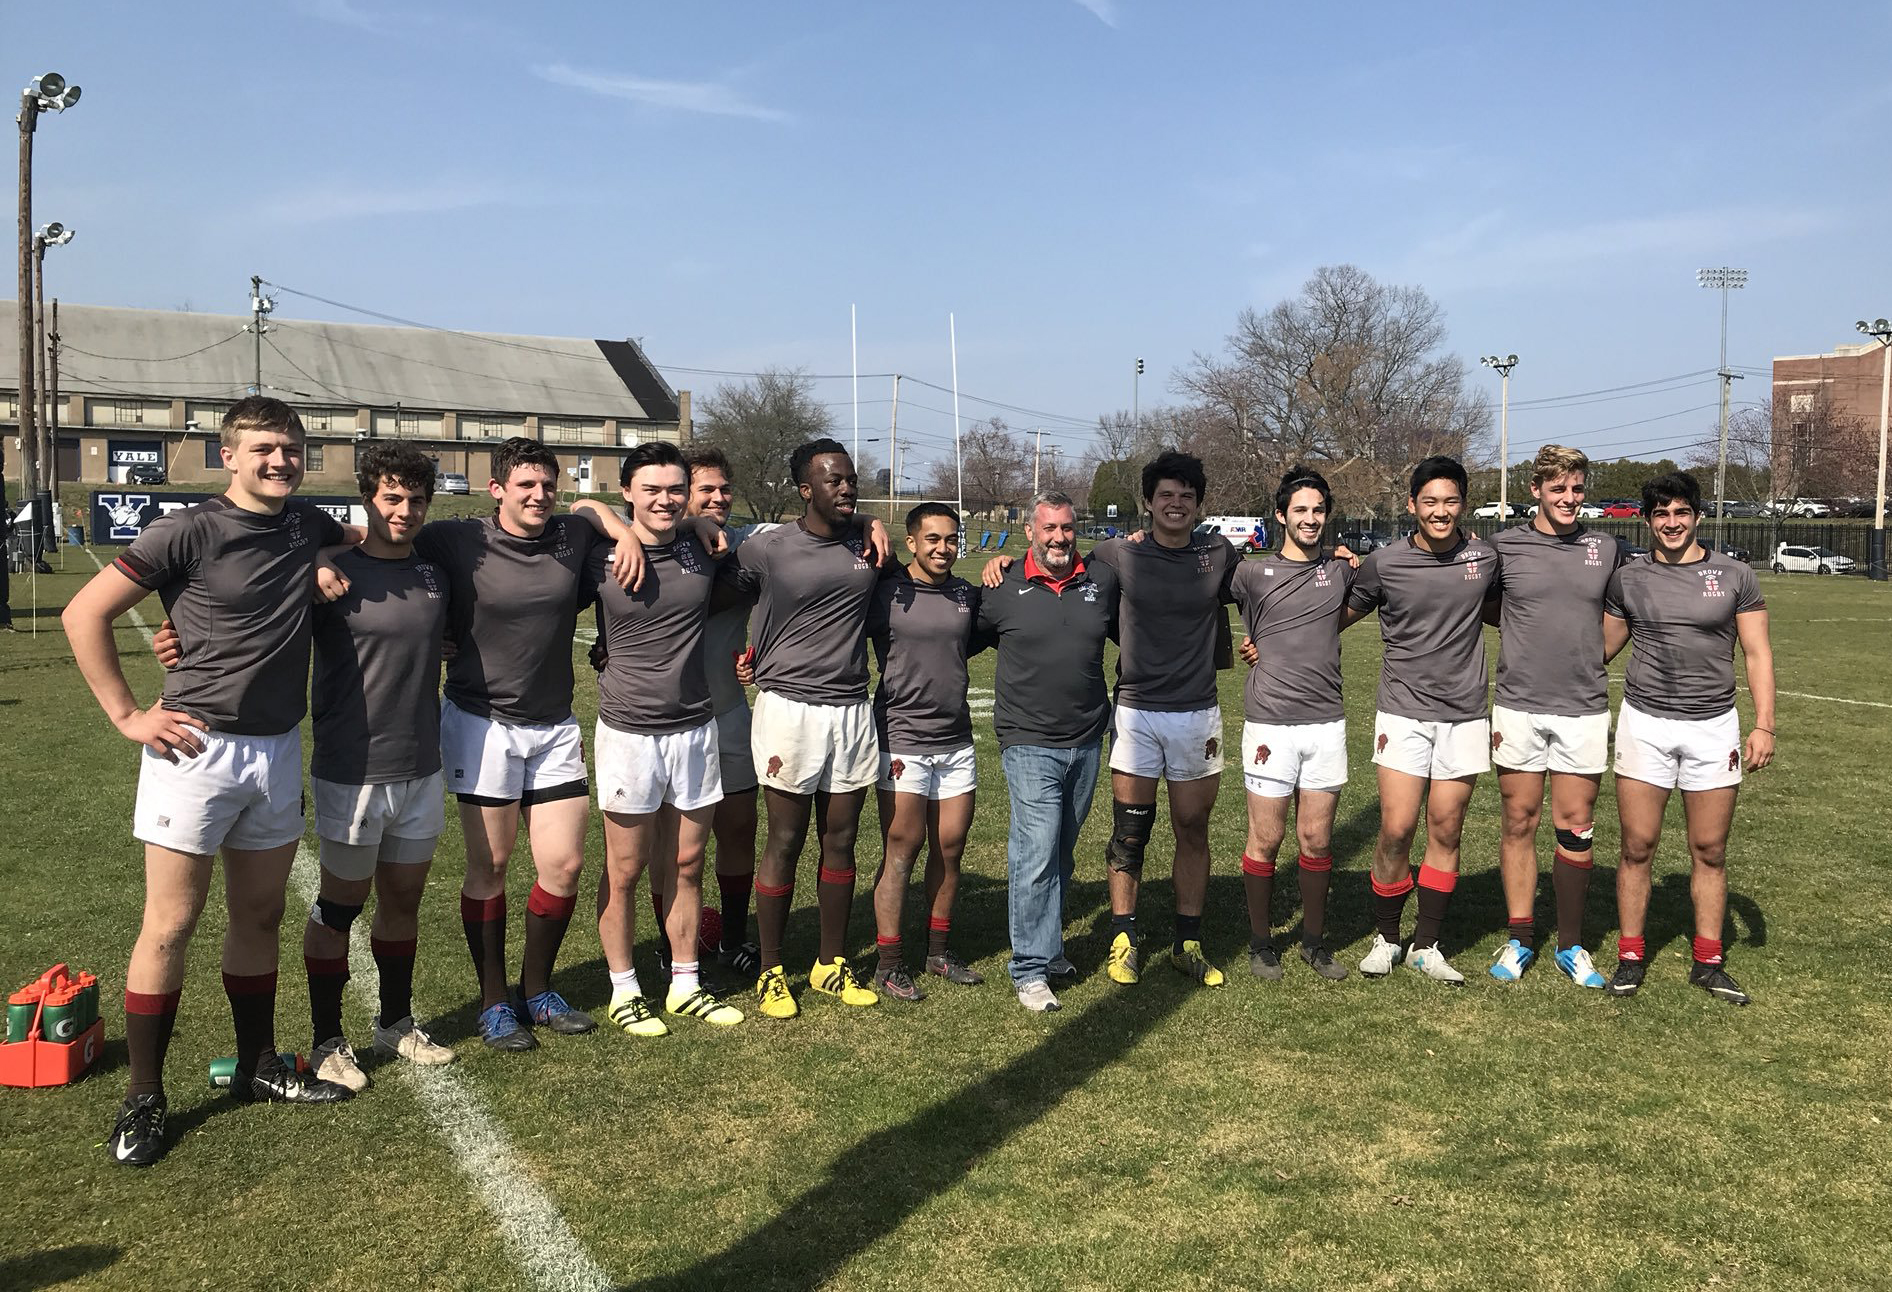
(1294,1134)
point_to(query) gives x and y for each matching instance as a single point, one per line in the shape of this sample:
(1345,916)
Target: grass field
(1296,1135)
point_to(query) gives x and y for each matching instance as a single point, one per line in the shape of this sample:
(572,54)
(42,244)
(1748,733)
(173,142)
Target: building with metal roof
(142,387)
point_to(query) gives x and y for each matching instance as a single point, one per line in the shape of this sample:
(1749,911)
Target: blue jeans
(1051,795)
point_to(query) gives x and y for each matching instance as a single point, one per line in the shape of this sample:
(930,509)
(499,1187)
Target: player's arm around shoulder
(1757,653)
(88,623)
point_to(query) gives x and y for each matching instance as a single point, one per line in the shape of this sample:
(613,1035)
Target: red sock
(1707,951)
(1630,948)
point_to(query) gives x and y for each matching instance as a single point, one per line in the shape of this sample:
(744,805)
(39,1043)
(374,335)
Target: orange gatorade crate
(54,1032)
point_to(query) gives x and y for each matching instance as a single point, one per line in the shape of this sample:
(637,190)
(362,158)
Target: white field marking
(534,1231)
(1832,699)
(1851,619)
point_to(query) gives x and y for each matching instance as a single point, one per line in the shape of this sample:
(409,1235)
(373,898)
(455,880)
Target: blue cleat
(1577,967)
(1511,960)
(501,1030)
(548,1009)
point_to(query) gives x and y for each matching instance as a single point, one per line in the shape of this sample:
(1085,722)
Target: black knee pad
(1576,842)
(1130,826)
(331,914)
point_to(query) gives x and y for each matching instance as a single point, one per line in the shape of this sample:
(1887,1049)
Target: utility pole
(893,454)
(1726,280)
(29,401)
(1503,367)
(1037,454)
(1881,331)
(1136,392)
(260,306)
(46,465)
(52,390)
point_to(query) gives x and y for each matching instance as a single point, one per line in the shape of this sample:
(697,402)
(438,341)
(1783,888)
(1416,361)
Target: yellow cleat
(1122,966)
(633,1014)
(1191,963)
(697,1003)
(835,979)
(772,990)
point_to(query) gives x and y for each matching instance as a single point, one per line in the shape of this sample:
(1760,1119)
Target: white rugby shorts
(241,792)
(1684,753)
(1550,742)
(1438,751)
(493,762)
(805,748)
(732,746)
(394,821)
(1277,759)
(933,776)
(1184,746)
(637,774)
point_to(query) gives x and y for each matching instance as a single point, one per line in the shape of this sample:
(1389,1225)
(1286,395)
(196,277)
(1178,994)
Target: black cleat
(1321,961)
(1264,961)
(1628,978)
(950,967)
(899,984)
(279,1084)
(1714,980)
(138,1134)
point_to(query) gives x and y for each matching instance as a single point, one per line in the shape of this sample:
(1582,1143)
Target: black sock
(1388,910)
(1570,880)
(1123,924)
(1432,904)
(1524,929)
(395,961)
(485,921)
(834,897)
(1188,929)
(771,919)
(1316,873)
(253,1013)
(327,978)
(149,1021)
(547,917)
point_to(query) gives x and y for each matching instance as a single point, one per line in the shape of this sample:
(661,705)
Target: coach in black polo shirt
(1050,617)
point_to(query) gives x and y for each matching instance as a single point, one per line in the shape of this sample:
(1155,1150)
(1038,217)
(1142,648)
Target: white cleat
(1380,958)
(1431,962)
(335,1061)
(405,1040)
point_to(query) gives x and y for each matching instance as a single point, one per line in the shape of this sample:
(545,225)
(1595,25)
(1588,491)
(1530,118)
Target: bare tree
(1351,375)
(758,423)
(994,468)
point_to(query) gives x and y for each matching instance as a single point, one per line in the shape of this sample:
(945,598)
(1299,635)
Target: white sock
(683,976)
(624,983)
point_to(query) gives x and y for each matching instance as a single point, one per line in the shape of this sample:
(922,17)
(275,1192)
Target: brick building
(1826,421)
(152,386)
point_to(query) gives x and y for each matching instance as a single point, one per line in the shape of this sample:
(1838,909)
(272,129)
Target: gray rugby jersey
(1291,610)
(238,586)
(1431,620)
(1550,647)
(1682,631)
(1170,606)
(811,612)
(514,603)
(727,633)
(922,635)
(377,672)
(653,681)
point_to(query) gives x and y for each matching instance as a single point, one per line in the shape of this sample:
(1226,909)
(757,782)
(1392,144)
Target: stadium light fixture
(1723,279)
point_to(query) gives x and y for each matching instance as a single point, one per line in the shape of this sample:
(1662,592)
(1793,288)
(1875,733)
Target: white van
(1248,533)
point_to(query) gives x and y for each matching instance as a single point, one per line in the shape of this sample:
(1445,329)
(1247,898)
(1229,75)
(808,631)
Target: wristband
(1768,730)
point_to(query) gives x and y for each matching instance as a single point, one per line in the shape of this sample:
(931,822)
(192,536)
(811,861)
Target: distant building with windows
(150,387)
(1826,420)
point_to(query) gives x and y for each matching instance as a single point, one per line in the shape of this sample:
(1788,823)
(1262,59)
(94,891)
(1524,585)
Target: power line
(65,347)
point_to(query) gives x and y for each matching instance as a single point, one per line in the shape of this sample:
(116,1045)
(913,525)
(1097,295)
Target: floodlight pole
(46,465)
(1881,331)
(28,401)
(1726,280)
(1503,367)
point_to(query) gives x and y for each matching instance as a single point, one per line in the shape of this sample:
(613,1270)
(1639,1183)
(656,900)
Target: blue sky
(1080,182)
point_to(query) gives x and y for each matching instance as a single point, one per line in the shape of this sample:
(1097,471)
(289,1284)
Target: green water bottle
(20,1018)
(59,1023)
(223,1071)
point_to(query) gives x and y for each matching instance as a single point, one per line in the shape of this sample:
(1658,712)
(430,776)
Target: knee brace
(331,914)
(1130,828)
(1577,842)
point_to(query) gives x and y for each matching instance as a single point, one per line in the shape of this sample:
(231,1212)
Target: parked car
(450,482)
(1795,558)
(1585,511)
(146,474)
(1361,541)
(1857,508)
(1493,510)
(1728,550)
(1801,507)
(1622,509)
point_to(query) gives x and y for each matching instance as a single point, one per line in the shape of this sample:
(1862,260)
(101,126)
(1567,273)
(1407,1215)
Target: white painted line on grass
(1833,699)
(529,1222)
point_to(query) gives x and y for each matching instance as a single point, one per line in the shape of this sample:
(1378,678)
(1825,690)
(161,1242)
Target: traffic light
(1139,367)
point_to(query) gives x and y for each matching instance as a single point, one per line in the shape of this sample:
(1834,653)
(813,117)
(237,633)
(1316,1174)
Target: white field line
(1833,699)
(529,1222)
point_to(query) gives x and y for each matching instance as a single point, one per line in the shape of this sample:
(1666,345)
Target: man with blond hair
(1550,715)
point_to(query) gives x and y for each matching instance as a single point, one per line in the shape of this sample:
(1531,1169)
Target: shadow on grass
(875,1185)
(50,1268)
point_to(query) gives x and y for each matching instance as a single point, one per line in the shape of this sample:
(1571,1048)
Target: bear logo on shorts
(1261,753)
(775,767)
(1381,746)
(1210,746)
(897,768)
(1734,759)
(1497,738)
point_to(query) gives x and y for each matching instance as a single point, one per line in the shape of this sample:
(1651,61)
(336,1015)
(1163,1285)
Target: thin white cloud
(710,97)
(354,201)
(345,13)
(1104,10)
